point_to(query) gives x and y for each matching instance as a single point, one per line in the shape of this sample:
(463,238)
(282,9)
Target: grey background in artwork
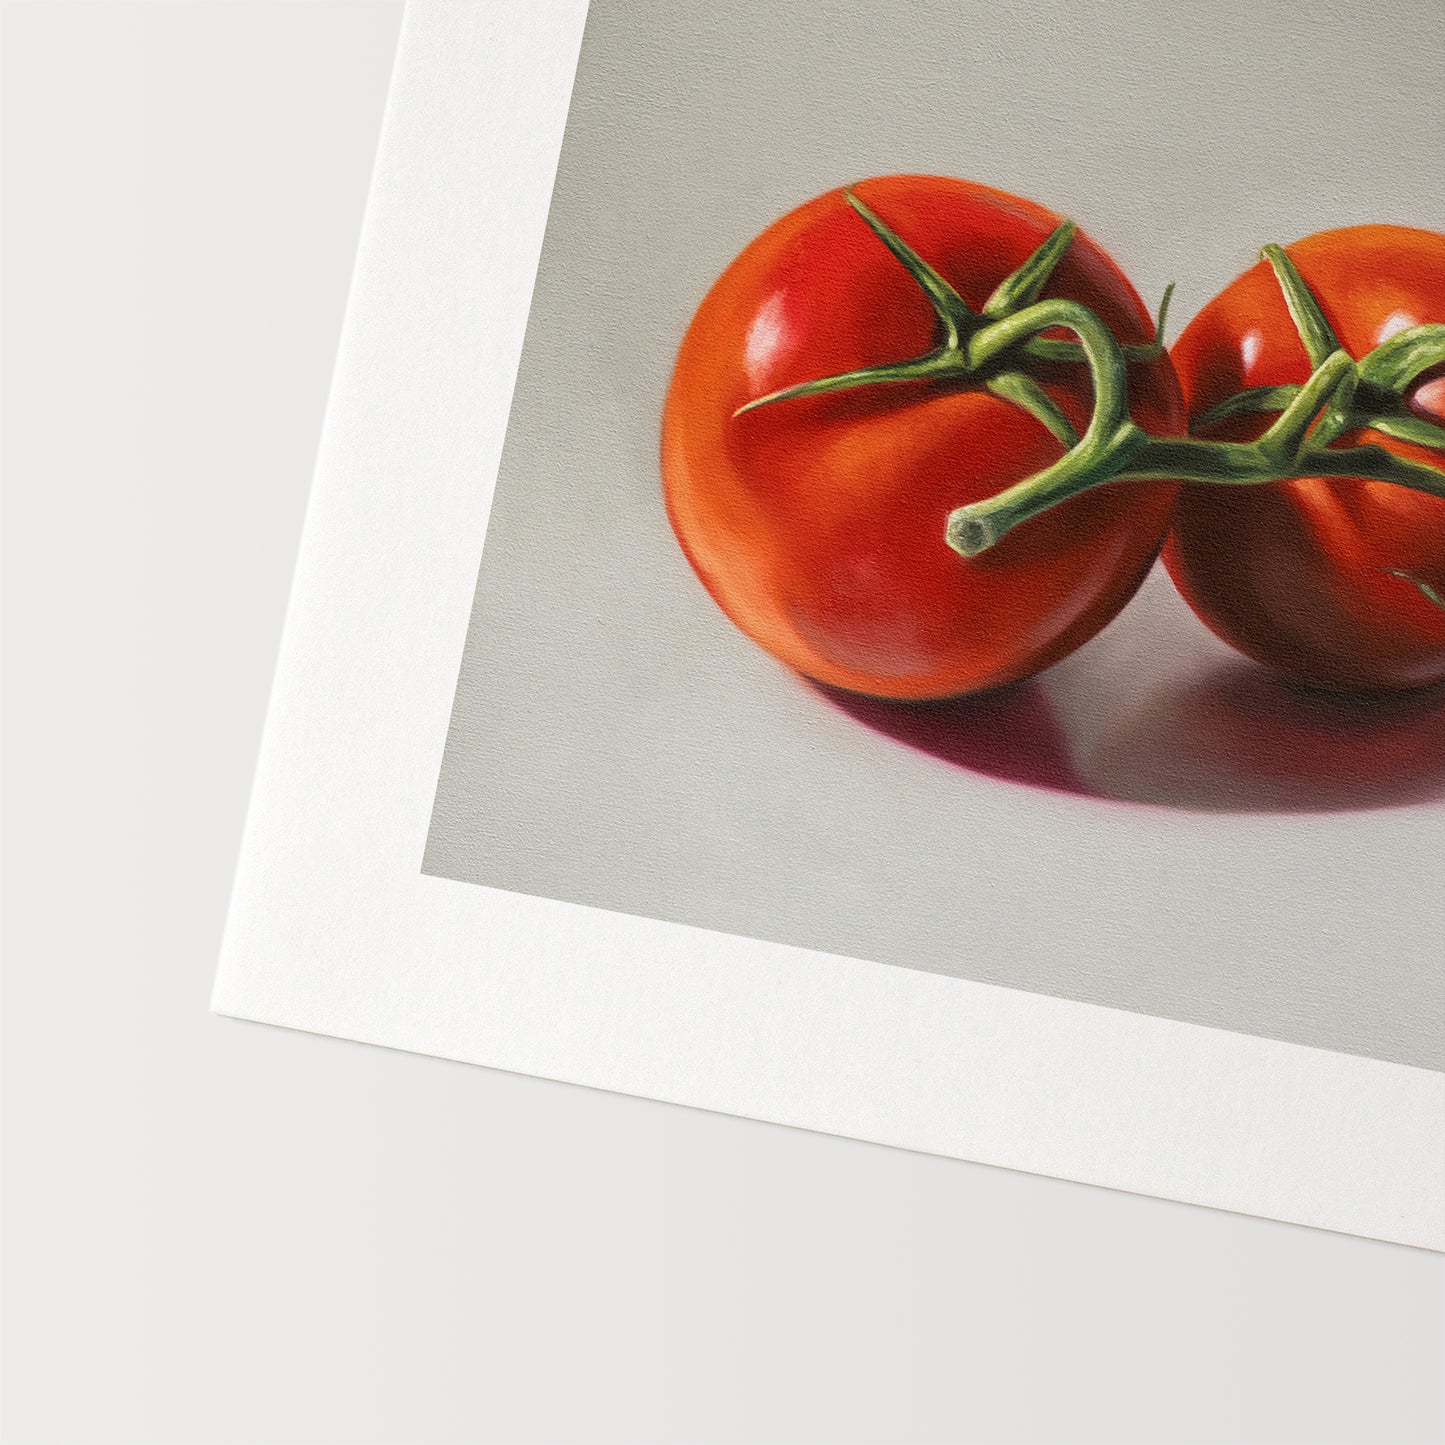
(616,743)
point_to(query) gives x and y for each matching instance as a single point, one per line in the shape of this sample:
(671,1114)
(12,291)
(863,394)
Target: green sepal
(1432,594)
(1395,363)
(1314,330)
(942,362)
(1405,427)
(952,309)
(954,357)
(1050,348)
(1254,400)
(1023,391)
(1337,418)
(1022,287)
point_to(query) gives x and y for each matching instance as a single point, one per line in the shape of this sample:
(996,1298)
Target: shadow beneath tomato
(1010,733)
(1243,738)
(1234,737)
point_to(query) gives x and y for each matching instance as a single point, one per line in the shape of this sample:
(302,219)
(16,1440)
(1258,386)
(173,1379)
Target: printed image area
(1151,812)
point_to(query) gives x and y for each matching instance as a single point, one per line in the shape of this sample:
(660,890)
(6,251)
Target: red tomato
(817,523)
(1302,575)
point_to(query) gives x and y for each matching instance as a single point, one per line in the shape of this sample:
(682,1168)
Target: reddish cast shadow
(1236,738)
(1010,733)
(1244,739)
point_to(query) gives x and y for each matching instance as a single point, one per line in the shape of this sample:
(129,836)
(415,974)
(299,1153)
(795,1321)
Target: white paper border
(333,929)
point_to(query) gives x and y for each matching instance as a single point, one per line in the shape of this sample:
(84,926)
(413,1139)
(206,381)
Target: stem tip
(968,534)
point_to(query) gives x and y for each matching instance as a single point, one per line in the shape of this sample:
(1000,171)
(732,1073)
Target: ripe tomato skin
(817,523)
(1297,574)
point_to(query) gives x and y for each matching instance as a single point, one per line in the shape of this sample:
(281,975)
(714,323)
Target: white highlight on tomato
(1394,324)
(765,336)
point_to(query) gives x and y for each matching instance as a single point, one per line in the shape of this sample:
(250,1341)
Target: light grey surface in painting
(615,742)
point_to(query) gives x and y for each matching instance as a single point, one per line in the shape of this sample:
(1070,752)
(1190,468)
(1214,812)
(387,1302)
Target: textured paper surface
(334,929)
(1218,849)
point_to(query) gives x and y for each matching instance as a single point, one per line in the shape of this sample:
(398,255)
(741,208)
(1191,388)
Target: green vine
(995,347)
(1342,395)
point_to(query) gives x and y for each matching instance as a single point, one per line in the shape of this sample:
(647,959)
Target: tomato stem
(1131,455)
(1341,396)
(1109,442)
(1050,348)
(986,348)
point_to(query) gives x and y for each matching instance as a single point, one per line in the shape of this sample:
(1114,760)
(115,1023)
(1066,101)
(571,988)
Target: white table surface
(220,1232)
